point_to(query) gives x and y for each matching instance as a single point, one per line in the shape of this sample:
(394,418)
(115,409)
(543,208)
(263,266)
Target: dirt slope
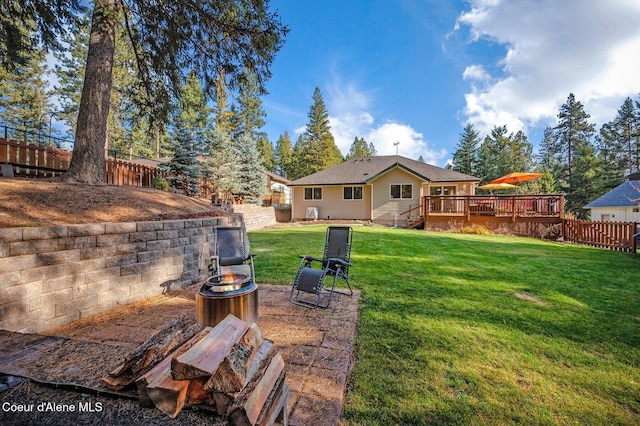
(29,202)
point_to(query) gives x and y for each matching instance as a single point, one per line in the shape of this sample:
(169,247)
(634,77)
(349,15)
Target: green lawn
(469,329)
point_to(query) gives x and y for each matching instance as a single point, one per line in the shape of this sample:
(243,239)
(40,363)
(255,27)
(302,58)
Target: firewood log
(166,393)
(231,374)
(247,407)
(202,354)
(153,350)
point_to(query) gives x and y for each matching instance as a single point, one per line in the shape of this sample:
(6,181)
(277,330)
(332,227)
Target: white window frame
(312,188)
(401,185)
(353,187)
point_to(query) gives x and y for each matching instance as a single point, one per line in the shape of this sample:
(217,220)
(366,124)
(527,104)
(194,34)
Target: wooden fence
(39,161)
(611,235)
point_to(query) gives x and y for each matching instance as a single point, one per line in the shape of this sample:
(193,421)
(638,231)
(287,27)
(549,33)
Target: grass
(475,329)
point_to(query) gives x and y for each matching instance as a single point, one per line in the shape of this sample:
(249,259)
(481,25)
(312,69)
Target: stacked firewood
(229,368)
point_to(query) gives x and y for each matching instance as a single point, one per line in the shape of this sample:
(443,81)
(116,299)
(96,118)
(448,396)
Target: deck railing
(504,206)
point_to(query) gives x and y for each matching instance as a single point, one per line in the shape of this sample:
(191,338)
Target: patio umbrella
(516,177)
(494,186)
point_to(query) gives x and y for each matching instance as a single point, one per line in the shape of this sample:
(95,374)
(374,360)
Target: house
(381,189)
(278,190)
(621,204)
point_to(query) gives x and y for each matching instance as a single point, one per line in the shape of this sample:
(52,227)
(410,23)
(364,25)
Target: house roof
(627,194)
(277,178)
(367,169)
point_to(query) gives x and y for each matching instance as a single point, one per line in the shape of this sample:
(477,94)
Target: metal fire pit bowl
(226,294)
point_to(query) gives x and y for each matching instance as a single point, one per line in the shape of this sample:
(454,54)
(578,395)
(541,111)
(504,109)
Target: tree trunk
(87,162)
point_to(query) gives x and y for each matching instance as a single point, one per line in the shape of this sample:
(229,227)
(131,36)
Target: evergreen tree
(28,26)
(265,148)
(300,166)
(360,149)
(586,181)
(464,159)
(318,150)
(572,133)
(421,160)
(253,182)
(222,113)
(24,101)
(228,35)
(194,113)
(183,168)
(619,144)
(222,164)
(284,155)
(248,116)
(502,153)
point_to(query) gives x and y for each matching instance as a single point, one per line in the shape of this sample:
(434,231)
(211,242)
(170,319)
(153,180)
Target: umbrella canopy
(494,186)
(516,177)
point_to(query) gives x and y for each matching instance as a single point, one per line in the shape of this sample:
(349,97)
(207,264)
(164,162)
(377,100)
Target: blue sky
(416,71)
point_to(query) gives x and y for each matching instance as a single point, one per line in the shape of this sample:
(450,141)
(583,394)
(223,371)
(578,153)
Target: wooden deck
(515,208)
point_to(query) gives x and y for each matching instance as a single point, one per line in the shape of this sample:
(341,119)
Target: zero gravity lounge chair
(334,264)
(232,252)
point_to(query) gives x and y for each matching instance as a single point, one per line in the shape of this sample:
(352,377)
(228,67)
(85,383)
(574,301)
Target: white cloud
(350,117)
(476,72)
(553,48)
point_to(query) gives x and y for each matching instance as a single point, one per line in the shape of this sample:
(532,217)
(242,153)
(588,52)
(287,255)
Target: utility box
(312,213)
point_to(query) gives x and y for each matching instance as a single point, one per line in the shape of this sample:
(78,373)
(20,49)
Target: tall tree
(619,144)
(464,159)
(222,165)
(572,132)
(265,149)
(253,182)
(360,148)
(183,168)
(248,115)
(24,97)
(284,155)
(168,38)
(318,150)
(28,25)
(502,153)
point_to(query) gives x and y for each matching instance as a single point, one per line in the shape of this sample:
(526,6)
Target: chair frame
(337,267)
(216,268)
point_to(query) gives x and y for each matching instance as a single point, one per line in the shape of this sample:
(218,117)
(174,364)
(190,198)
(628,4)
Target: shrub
(475,229)
(160,183)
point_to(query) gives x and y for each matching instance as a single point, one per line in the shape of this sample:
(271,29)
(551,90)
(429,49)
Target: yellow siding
(386,210)
(332,205)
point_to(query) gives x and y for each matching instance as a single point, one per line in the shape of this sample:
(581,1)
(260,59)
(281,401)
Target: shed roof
(627,194)
(367,169)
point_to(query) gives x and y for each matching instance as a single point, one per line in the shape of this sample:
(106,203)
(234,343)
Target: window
(401,191)
(352,193)
(313,193)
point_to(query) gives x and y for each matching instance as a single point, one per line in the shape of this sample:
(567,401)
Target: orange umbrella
(516,177)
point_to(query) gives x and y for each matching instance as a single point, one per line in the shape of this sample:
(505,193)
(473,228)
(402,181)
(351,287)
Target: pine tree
(619,144)
(360,148)
(248,116)
(572,133)
(318,150)
(464,159)
(586,179)
(25,102)
(183,168)
(284,155)
(222,165)
(253,182)
(265,148)
(502,153)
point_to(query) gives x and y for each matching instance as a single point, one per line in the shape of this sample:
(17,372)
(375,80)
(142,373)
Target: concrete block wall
(50,276)
(255,217)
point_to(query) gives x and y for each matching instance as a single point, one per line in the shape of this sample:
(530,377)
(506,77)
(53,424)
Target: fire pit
(226,294)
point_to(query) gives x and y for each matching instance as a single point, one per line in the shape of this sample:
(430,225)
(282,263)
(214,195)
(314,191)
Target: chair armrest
(310,258)
(340,261)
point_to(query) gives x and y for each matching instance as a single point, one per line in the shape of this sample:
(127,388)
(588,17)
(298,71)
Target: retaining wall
(255,217)
(50,276)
